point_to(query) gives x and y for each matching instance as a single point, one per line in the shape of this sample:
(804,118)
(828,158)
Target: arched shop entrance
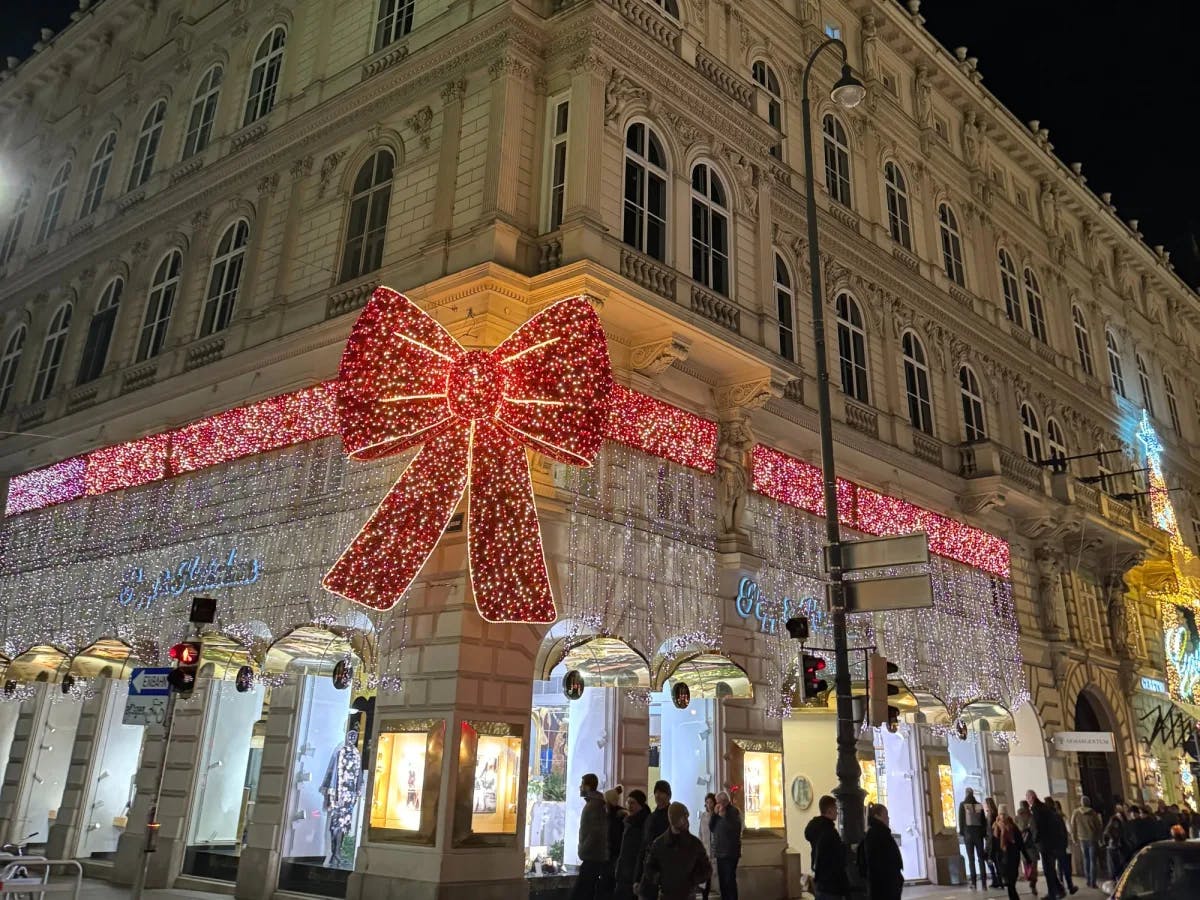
(1098,778)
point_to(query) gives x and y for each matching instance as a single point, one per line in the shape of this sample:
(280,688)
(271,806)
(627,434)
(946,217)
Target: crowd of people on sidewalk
(630,851)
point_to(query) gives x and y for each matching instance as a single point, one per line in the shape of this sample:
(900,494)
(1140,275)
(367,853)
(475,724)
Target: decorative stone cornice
(747,395)
(656,357)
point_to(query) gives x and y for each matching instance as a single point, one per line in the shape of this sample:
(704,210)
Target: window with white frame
(1011,288)
(916,383)
(896,189)
(710,229)
(53,348)
(1143,374)
(764,76)
(160,302)
(225,278)
(203,112)
(670,7)
(644,225)
(852,348)
(1033,303)
(1056,444)
(264,75)
(9,364)
(100,332)
(54,202)
(785,300)
(12,230)
(1031,432)
(952,255)
(1172,405)
(395,20)
(1116,375)
(837,159)
(560,120)
(366,223)
(146,152)
(1083,341)
(974,423)
(97,179)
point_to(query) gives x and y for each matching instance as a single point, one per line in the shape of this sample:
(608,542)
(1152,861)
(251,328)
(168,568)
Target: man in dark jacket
(632,845)
(828,852)
(726,827)
(677,862)
(879,857)
(657,824)
(593,839)
(972,827)
(1050,836)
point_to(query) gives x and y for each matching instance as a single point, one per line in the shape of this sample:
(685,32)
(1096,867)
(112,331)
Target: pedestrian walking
(676,861)
(1114,837)
(710,808)
(1029,862)
(616,829)
(1011,851)
(972,828)
(1064,857)
(726,827)
(830,881)
(992,842)
(633,845)
(879,858)
(1086,828)
(593,840)
(657,824)
(1051,838)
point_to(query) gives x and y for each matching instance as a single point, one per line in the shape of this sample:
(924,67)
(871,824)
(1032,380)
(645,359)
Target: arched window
(100,331)
(852,348)
(837,160)
(1031,431)
(710,229)
(395,20)
(366,226)
(645,220)
(896,189)
(785,299)
(52,353)
(670,7)
(264,76)
(1083,341)
(12,231)
(1033,301)
(147,146)
(1011,288)
(952,257)
(54,202)
(159,304)
(916,383)
(764,76)
(1143,374)
(974,424)
(225,279)
(1116,376)
(1056,444)
(204,111)
(97,179)
(1172,404)
(9,363)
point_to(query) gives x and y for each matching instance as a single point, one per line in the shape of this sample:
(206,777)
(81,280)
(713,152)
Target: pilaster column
(453,95)
(506,134)
(582,225)
(252,293)
(298,173)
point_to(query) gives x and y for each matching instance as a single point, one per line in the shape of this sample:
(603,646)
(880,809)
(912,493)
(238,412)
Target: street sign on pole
(883,594)
(886,552)
(147,700)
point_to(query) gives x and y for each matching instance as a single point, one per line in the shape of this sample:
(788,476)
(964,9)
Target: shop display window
(49,755)
(763,789)
(109,792)
(489,764)
(546,797)
(407,780)
(869,781)
(945,789)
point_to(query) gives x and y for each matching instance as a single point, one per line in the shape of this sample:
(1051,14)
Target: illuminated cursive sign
(189,576)
(1154,685)
(750,602)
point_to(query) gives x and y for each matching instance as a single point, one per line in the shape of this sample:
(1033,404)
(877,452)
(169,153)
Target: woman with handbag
(1029,862)
(1012,850)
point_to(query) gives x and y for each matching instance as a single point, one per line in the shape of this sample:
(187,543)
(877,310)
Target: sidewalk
(931,891)
(102,890)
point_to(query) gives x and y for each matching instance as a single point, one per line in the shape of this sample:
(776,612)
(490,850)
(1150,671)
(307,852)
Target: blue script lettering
(751,602)
(190,575)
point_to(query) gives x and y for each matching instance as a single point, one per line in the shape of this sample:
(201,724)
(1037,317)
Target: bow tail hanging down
(380,564)
(508,569)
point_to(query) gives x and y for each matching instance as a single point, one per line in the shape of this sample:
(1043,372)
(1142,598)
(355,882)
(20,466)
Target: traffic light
(187,660)
(880,691)
(811,682)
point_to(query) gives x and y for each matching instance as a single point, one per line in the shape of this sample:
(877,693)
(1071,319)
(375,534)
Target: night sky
(1116,83)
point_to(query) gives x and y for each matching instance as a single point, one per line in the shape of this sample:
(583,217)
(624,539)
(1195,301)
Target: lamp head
(849,91)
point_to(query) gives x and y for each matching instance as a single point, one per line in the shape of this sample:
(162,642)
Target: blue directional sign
(150,682)
(146,703)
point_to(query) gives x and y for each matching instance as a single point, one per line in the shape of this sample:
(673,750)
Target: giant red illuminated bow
(405,381)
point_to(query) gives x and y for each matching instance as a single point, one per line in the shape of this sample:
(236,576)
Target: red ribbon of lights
(405,381)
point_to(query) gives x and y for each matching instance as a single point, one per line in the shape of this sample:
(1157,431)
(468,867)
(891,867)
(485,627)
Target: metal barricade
(30,876)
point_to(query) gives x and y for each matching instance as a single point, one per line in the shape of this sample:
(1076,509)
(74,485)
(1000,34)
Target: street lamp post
(848,92)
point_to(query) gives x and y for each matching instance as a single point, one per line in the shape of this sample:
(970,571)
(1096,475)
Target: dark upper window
(764,76)
(1033,303)
(710,229)
(12,231)
(1031,433)
(53,348)
(785,299)
(1143,373)
(264,75)
(149,138)
(952,255)
(54,202)
(395,20)
(1011,288)
(366,226)
(916,383)
(896,189)
(159,304)
(225,278)
(1083,341)
(837,160)
(1116,375)
(100,331)
(203,112)
(852,348)
(644,224)
(9,363)
(97,179)
(974,423)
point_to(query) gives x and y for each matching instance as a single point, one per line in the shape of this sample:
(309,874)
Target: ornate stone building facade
(196,199)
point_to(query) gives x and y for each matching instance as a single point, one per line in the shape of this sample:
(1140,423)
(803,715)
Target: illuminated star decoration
(405,381)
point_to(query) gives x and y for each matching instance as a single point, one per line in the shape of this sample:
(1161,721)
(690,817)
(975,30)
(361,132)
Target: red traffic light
(186,653)
(819,665)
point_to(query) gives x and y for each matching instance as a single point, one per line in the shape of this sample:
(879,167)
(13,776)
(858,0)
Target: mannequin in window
(342,788)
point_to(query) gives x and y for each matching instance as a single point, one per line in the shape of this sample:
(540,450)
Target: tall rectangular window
(560,115)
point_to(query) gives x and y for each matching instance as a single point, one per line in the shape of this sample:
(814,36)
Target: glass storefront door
(49,755)
(108,795)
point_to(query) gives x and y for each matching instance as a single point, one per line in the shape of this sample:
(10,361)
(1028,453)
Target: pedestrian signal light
(187,659)
(880,691)
(811,681)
